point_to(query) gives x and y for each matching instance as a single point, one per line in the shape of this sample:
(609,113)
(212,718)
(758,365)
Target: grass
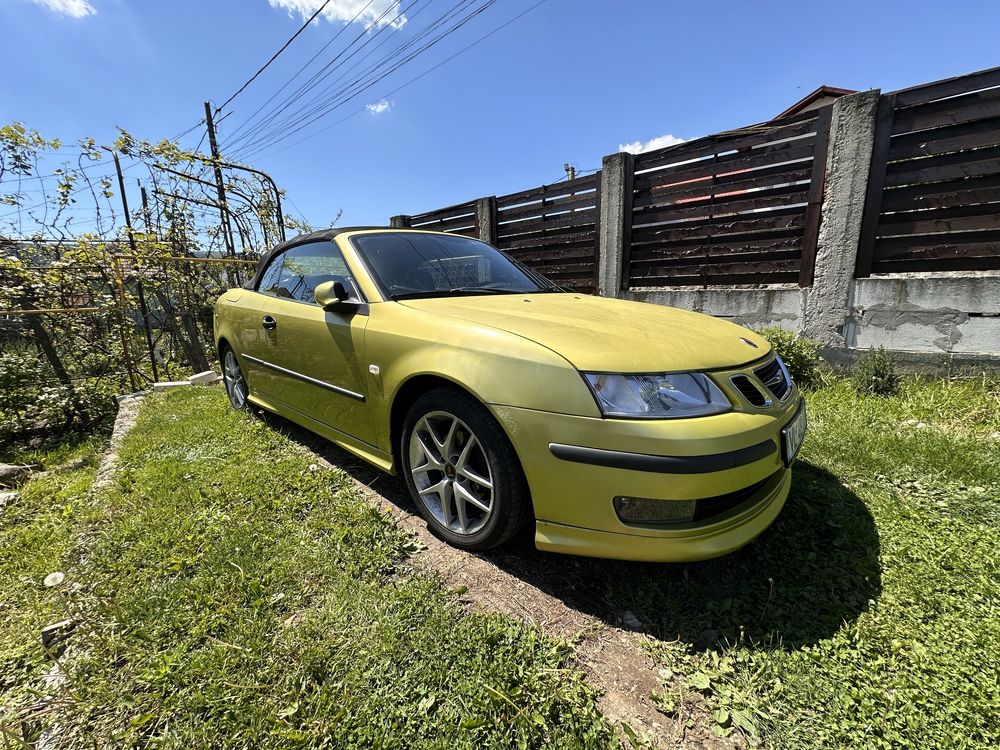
(234,598)
(36,535)
(868,616)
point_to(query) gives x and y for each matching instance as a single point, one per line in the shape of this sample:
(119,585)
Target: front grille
(773,376)
(711,507)
(750,392)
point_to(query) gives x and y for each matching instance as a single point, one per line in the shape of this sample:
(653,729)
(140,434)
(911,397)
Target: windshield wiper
(470,290)
(483,290)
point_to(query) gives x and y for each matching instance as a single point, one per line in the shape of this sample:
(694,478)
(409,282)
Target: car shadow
(813,571)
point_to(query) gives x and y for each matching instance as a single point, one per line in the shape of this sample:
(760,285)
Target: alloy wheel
(451,472)
(236,385)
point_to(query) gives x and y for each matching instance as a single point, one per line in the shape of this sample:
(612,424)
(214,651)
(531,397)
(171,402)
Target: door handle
(269,323)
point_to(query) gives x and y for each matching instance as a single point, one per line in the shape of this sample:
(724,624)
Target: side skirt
(362,450)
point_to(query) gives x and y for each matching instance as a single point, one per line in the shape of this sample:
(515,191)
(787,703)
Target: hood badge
(748,342)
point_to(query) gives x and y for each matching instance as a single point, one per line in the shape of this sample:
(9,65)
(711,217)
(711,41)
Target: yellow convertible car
(619,429)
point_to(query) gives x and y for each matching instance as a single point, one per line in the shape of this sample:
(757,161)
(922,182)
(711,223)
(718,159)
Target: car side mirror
(332,296)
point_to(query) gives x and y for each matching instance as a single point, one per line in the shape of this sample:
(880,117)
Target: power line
(302,68)
(274,56)
(266,119)
(305,110)
(318,104)
(356,87)
(415,78)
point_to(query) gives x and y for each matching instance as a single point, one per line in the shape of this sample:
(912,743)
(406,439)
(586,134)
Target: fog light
(641,510)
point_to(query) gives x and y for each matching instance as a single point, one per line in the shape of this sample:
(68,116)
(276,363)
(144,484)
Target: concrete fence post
(486,219)
(615,212)
(852,132)
(402,221)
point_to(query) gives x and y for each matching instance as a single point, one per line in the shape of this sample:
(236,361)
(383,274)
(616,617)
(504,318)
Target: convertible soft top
(302,239)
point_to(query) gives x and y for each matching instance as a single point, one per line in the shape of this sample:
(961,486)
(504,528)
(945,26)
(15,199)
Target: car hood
(610,335)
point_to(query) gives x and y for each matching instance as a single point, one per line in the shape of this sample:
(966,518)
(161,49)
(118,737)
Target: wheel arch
(405,396)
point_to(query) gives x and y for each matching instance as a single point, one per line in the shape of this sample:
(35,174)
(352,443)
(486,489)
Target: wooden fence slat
(717,254)
(779,153)
(748,227)
(511,229)
(452,212)
(447,225)
(960,109)
(708,187)
(888,245)
(946,249)
(898,223)
(570,202)
(549,191)
(876,185)
(540,240)
(943,140)
(727,207)
(712,145)
(953,193)
(983,263)
(722,279)
(946,167)
(961,224)
(926,92)
(728,269)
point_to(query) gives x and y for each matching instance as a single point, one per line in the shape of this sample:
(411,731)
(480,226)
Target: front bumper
(576,466)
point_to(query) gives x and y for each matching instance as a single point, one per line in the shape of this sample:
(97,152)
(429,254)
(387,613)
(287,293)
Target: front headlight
(667,396)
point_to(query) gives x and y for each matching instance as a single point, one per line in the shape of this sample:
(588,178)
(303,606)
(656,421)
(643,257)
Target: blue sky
(570,81)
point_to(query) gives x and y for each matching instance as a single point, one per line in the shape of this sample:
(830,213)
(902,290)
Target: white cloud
(662,141)
(74,8)
(379,12)
(377,108)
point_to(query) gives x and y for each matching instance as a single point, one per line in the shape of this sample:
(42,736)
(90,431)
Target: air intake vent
(750,392)
(773,376)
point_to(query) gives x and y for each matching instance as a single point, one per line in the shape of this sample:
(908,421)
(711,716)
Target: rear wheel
(236,384)
(462,471)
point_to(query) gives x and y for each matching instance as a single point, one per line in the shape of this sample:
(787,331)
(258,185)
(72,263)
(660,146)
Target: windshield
(410,264)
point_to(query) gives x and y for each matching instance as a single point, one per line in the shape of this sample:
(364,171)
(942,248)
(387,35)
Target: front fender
(498,368)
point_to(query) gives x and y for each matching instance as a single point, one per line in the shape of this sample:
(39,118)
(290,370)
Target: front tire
(462,471)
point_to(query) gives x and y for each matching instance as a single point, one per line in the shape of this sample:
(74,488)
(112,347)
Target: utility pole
(227,231)
(570,171)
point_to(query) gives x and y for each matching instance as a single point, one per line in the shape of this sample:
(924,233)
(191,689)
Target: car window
(409,264)
(269,280)
(297,273)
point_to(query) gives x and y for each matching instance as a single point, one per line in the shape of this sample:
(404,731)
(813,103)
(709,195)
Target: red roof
(820,93)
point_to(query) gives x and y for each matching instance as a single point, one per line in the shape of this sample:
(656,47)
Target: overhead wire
(359,86)
(304,112)
(276,125)
(274,57)
(305,86)
(413,80)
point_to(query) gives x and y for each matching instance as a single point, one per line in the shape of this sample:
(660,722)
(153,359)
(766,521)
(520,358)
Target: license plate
(793,434)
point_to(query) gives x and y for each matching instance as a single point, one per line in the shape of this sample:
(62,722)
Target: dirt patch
(512,581)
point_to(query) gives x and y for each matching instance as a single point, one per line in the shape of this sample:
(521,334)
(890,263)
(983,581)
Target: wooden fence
(734,208)
(553,229)
(744,207)
(933,198)
(460,219)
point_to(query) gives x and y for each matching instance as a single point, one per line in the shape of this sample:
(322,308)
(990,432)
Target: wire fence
(86,321)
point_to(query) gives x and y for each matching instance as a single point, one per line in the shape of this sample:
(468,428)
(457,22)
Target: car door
(315,358)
